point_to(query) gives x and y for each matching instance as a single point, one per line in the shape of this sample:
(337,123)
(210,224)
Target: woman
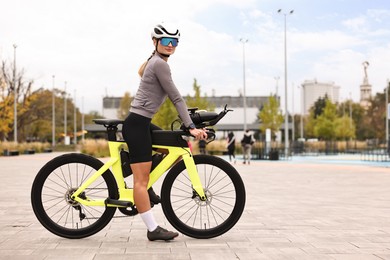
(231,146)
(156,84)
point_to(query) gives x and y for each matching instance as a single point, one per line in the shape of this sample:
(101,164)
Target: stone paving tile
(297,209)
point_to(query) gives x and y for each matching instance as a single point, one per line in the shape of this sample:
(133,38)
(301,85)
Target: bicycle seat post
(111,125)
(111,132)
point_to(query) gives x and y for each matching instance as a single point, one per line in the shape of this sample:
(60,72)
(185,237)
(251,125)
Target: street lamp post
(65,116)
(302,110)
(350,111)
(243,68)
(53,142)
(285,80)
(75,120)
(15,99)
(387,116)
(82,119)
(292,115)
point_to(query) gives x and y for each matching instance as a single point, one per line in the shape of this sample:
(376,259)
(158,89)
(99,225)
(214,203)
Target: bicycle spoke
(195,214)
(86,176)
(223,187)
(212,212)
(56,191)
(185,191)
(183,198)
(59,198)
(58,211)
(63,179)
(186,184)
(217,181)
(70,176)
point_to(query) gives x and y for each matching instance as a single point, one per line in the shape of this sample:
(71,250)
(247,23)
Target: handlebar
(203,119)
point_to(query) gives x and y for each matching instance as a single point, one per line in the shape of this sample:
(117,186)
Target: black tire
(225,202)
(51,190)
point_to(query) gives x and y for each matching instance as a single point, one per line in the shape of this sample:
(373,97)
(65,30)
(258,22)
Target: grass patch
(96,148)
(22,147)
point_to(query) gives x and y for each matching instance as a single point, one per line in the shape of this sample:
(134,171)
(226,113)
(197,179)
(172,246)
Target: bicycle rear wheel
(216,215)
(51,196)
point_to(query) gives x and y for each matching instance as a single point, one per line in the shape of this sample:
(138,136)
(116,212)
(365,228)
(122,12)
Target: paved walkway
(304,208)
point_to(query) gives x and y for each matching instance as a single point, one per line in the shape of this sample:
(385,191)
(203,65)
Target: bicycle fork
(194,176)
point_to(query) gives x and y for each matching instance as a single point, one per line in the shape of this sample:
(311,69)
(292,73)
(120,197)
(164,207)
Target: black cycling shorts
(136,132)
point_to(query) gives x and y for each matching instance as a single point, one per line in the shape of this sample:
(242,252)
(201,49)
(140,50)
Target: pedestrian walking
(231,146)
(202,146)
(247,141)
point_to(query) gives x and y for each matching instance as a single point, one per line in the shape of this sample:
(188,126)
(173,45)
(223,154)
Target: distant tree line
(34,109)
(331,121)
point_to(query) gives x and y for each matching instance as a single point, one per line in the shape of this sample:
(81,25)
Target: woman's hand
(198,133)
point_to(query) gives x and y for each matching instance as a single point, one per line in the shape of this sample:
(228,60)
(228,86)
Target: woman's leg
(137,134)
(141,195)
(249,153)
(141,179)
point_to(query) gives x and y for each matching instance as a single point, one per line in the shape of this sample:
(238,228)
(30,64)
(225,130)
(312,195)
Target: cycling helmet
(165,30)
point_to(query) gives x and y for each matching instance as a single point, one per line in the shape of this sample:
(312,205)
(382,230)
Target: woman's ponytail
(142,68)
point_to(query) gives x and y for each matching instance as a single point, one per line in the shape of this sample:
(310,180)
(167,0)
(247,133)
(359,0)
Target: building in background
(313,90)
(111,106)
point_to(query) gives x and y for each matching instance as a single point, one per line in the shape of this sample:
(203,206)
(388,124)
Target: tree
(6,110)
(165,115)
(88,118)
(325,122)
(124,106)
(319,106)
(9,84)
(359,117)
(270,116)
(167,112)
(344,128)
(315,111)
(350,118)
(38,116)
(376,117)
(197,100)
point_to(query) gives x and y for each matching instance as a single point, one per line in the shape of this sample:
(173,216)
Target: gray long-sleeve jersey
(156,84)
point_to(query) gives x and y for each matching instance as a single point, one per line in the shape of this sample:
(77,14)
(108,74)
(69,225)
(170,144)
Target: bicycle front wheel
(52,190)
(225,202)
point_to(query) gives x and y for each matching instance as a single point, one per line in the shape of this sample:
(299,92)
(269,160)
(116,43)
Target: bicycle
(202,196)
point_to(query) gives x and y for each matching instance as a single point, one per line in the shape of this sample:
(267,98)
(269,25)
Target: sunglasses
(165,41)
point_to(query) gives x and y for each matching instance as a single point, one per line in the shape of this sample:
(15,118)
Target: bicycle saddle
(108,122)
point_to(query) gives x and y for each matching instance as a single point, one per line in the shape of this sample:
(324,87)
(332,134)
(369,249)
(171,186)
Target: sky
(97,46)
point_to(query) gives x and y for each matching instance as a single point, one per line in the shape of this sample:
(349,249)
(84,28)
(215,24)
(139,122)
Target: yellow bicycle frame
(126,194)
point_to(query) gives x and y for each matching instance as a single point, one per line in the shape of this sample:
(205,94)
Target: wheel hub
(207,201)
(68,197)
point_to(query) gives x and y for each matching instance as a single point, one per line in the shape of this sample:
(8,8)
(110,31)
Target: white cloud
(356,24)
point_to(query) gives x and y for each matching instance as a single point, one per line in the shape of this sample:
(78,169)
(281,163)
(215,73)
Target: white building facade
(312,90)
